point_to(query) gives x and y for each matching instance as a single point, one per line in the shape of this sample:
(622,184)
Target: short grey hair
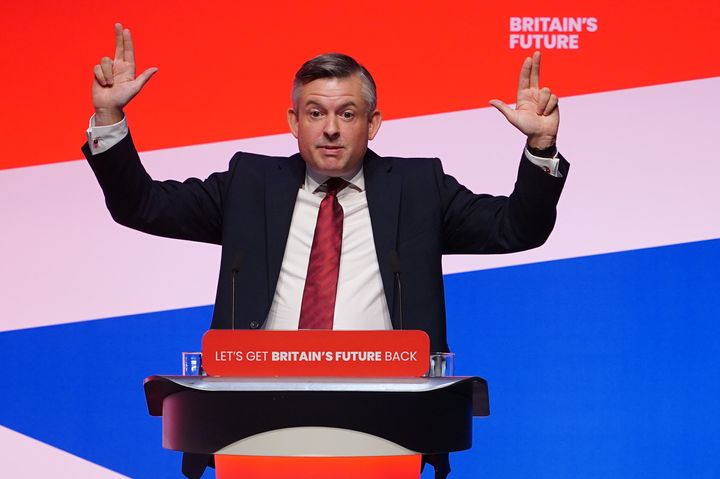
(334,65)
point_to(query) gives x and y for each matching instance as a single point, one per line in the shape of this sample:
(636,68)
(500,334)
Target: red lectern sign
(316,353)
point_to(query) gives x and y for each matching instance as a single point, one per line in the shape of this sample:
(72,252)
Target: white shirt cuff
(550,165)
(102,138)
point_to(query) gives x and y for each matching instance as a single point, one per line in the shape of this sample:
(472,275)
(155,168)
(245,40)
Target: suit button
(254,325)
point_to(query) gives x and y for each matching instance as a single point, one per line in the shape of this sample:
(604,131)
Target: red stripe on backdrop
(226,67)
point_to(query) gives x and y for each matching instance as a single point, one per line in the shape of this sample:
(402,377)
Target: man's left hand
(536,112)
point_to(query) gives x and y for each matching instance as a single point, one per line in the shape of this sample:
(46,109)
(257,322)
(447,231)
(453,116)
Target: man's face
(332,125)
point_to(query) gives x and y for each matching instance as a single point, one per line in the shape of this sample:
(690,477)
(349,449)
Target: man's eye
(315,114)
(348,115)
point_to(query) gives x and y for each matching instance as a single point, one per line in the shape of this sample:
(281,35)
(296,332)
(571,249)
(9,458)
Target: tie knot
(334,185)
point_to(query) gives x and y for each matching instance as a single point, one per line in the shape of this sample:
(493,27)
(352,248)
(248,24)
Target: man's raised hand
(536,112)
(115,83)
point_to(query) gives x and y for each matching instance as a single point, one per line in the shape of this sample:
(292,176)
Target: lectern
(316,427)
(392,419)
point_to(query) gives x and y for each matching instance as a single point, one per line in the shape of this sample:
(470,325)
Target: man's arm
(189,210)
(499,224)
(486,224)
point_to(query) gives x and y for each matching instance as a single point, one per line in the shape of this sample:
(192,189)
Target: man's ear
(375,121)
(293,121)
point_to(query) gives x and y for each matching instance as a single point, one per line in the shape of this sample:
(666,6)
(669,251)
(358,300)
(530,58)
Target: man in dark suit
(400,215)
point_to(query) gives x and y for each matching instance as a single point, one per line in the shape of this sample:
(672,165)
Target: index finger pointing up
(129,48)
(119,43)
(535,71)
(524,80)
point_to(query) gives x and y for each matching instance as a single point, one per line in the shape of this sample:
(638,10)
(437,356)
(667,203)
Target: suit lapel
(281,190)
(383,188)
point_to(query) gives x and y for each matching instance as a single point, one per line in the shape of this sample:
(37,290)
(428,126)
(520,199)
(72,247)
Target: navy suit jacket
(417,212)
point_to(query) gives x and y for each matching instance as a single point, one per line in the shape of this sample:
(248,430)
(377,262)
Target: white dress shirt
(360,300)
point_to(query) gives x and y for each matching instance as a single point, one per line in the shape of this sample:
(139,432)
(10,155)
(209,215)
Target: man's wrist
(108,116)
(541,142)
(544,152)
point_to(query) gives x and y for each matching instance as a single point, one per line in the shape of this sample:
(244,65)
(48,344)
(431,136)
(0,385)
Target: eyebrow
(342,106)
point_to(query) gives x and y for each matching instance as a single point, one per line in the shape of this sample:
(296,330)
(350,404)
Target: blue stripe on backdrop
(79,387)
(604,366)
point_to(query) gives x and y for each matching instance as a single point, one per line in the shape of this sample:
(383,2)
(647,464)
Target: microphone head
(237,261)
(394,261)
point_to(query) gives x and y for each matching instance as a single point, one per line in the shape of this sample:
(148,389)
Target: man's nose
(331,130)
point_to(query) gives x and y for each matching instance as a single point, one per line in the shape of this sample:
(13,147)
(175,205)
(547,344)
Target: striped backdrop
(601,348)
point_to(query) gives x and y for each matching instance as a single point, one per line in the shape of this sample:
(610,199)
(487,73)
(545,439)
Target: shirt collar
(314,180)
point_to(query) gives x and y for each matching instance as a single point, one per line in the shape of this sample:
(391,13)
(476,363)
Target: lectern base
(263,467)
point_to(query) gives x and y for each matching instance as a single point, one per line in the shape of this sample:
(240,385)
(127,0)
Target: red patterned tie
(318,302)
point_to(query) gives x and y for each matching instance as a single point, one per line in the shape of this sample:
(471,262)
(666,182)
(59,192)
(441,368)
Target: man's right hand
(115,83)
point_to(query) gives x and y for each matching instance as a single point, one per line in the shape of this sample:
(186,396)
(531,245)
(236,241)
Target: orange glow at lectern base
(262,467)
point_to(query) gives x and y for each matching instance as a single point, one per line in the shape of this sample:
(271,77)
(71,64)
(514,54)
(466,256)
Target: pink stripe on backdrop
(643,174)
(24,457)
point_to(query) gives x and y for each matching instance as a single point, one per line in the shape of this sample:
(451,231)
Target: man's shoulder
(421,169)
(265,161)
(402,163)
(248,168)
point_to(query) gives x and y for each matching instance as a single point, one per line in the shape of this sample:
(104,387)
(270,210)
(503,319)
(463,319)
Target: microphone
(236,264)
(395,268)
